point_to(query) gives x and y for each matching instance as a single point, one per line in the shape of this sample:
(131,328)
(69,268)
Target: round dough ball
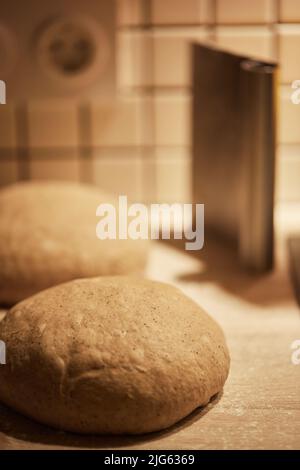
(48,236)
(111,355)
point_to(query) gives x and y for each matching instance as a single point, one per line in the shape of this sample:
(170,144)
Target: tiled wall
(141,143)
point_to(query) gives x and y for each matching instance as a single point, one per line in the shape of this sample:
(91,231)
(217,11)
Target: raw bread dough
(111,355)
(48,236)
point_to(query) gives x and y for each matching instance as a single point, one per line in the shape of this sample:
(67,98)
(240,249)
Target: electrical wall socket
(58,48)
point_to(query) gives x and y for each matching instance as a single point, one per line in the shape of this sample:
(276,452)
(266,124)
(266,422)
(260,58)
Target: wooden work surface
(260,405)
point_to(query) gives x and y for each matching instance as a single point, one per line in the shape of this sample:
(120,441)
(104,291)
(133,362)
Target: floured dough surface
(111,355)
(48,236)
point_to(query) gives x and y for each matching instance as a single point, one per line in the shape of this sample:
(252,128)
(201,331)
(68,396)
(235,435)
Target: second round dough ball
(48,236)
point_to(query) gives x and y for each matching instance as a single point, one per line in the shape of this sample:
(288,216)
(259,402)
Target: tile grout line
(85,142)
(22,141)
(274,29)
(147,13)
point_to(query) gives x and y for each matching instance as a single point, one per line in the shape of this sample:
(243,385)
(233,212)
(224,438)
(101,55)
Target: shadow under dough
(21,432)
